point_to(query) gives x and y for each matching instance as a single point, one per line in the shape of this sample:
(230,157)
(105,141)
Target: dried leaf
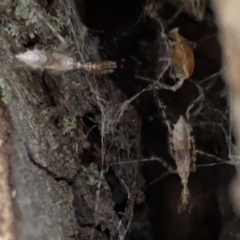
(182,57)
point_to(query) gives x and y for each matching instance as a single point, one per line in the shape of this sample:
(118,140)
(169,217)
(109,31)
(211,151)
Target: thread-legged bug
(59,62)
(182,149)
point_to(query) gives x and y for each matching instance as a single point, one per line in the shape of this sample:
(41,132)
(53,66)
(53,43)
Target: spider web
(115,140)
(118,149)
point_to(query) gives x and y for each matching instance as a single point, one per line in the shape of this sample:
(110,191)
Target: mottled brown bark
(7,155)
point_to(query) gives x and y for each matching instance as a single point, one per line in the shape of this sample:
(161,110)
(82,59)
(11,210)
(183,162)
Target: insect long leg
(162,176)
(63,44)
(167,166)
(161,108)
(200,97)
(212,80)
(220,160)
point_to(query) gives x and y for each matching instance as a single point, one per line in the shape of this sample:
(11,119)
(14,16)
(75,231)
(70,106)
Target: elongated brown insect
(59,62)
(182,149)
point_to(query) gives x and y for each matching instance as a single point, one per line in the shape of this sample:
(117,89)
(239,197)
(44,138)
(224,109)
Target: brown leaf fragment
(184,159)
(182,57)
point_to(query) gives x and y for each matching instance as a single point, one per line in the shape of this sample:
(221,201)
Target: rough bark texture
(83,145)
(7,157)
(47,162)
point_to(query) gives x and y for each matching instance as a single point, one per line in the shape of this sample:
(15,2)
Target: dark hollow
(122,29)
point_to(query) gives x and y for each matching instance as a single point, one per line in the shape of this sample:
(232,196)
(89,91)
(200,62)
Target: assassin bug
(182,149)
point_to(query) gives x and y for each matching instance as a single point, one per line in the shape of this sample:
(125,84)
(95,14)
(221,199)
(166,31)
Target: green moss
(23,9)
(69,124)
(26,10)
(6,91)
(12,29)
(60,19)
(91,174)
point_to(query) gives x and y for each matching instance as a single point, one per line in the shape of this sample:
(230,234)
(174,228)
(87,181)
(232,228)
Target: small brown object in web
(182,57)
